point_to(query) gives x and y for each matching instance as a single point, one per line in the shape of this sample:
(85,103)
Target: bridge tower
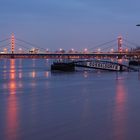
(120,44)
(12,43)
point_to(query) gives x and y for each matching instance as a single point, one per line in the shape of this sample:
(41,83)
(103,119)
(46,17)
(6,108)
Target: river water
(36,104)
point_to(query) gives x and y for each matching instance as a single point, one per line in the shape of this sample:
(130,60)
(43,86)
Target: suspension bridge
(13,47)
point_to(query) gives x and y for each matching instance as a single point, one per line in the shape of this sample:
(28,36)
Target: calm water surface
(36,104)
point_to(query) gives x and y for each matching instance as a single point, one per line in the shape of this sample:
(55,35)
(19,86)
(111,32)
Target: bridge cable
(109,47)
(134,44)
(17,44)
(30,43)
(127,46)
(103,44)
(4,45)
(4,40)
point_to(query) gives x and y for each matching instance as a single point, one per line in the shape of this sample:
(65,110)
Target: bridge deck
(69,55)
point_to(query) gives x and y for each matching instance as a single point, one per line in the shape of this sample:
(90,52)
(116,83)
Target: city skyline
(70,24)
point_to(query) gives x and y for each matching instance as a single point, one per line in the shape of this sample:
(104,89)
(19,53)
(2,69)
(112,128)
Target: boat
(63,66)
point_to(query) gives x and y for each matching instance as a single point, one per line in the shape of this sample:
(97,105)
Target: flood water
(36,104)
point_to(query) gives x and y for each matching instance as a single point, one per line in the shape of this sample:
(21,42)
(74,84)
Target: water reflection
(5,69)
(20,64)
(119,115)
(33,63)
(11,118)
(85,74)
(12,107)
(87,106)
(20,69)
(12,84)
(20,75)
(5,64)
(47,74)
(33,74)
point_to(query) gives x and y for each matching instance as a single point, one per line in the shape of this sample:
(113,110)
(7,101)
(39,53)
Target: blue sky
(70,23)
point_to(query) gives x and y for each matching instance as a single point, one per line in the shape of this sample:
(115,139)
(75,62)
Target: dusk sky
(70,23)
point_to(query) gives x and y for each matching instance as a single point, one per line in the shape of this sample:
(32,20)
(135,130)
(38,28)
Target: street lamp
(98,50)
(111,50)
(85,50)
(60,49)
(72,50)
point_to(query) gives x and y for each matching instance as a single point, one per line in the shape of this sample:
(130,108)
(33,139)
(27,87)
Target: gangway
(92,64)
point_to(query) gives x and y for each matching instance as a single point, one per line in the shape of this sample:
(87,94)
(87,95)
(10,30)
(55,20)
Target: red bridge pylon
(12,43)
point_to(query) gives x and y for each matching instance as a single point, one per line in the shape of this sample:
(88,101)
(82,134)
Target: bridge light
(5,50)
(20,50)
(85,50)
(61,50)
(47,50)
(99,50)
(126,50)
(112,50)
(72,49)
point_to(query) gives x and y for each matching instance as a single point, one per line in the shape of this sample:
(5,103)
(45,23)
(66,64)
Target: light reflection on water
(12,82)
(120,115)
(37,104)
(33,74)
(11,118)
(12,107)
